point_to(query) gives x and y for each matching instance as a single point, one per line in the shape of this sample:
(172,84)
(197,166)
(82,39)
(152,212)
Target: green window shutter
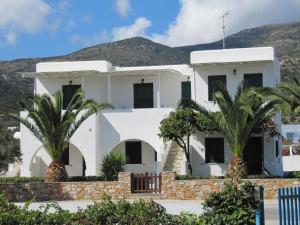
(133,150)
(186,90)
(253,80)
(212,82)
(214,150)
(68,93)
(143,95)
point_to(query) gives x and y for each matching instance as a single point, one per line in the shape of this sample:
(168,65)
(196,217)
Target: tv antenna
(223,27)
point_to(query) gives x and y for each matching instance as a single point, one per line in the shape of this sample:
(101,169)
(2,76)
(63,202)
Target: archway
(141,156)
(72,158)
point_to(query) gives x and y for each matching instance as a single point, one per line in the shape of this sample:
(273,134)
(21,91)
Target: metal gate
(146,183)
(289,206)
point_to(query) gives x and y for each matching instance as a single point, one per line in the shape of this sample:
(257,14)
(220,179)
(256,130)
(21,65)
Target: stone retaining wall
(171,188)
(200,189)
(68,190)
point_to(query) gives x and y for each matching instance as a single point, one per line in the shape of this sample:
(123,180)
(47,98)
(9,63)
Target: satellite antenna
(223,27)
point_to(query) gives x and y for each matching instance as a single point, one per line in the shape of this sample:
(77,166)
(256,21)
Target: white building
(142,97)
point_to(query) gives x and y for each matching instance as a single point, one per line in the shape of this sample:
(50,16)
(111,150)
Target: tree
(112,164)
(54,127)
(246,113)
(290,94)
(9,149)
(179,126)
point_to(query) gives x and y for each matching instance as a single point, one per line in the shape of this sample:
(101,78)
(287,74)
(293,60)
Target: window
(68,93)
(212,82)
(143,95)
(253,80)
(186,90)
(290,136)
(214,150)
(134,152)
(65,157)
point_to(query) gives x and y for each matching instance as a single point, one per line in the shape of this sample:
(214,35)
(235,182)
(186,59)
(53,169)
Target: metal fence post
(260,212)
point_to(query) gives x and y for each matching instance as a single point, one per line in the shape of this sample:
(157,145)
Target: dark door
(68,93)
(253,156)
(186,90)
(143,95)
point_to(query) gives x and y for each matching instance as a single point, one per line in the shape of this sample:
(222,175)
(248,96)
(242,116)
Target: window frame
(252,75)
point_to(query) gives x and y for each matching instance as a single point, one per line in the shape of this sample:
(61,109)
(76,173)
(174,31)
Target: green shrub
(232,206)
(190,177)
(86,178)
(21,180)
(112,164)
(188,219)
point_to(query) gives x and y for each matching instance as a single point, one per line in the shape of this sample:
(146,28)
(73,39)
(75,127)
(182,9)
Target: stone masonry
(170,188)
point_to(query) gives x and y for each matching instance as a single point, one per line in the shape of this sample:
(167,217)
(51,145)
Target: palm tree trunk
(237,169)
(56,172)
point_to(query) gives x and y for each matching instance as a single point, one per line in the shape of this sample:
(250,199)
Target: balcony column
(158,90)
(109,89)
(82,83)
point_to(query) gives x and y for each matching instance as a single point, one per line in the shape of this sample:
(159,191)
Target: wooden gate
(146,183)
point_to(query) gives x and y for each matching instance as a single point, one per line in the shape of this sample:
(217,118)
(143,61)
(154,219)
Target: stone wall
(200,189)
(171,189)
(68,190)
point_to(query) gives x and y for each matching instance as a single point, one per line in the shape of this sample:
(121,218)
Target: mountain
(140,51)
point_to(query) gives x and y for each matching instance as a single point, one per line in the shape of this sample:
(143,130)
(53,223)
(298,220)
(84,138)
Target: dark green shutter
(143,95)
(133,151)
(212,82)
(253,80)
(68,93)
(214,150)
(186,90)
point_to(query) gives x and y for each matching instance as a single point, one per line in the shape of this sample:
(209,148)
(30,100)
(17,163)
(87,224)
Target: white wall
(232,81)
(147,158)
(200,167)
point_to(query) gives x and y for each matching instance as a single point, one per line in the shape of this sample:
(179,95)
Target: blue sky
(39,28)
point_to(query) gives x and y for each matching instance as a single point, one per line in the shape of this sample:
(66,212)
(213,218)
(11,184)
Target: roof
(237,55)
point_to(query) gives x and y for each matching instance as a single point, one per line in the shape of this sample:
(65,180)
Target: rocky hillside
(140,51)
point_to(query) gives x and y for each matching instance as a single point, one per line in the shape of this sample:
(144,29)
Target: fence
(289,206)
(145,183)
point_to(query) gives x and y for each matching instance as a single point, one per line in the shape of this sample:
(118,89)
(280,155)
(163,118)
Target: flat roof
(236,55)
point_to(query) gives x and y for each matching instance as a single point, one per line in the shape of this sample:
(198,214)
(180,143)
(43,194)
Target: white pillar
(83,83)
(109,89)
(158,90)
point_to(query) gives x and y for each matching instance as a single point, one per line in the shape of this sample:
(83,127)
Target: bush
(86,178)
(234,205)
(21,180)
(190,177)
(112,164)
(106,212)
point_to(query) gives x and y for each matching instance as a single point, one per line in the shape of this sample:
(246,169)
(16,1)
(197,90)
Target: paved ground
(173,207)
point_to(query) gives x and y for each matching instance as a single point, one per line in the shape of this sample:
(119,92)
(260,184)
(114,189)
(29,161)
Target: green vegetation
(234,205)
(247,113)
(180,125)
(54,127)
(9,149)
(112,164)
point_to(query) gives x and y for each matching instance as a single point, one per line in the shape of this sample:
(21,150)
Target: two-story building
(142,97)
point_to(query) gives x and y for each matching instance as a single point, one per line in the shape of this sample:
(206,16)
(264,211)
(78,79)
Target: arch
(40,160)
(146,160)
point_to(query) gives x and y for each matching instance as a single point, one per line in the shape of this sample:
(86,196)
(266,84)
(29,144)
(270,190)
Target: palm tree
(237,120)
(290,94)
(54,127)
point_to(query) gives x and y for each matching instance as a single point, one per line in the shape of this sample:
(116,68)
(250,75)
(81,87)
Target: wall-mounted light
(142,80)
(234,72)
(188,78)
(70,82)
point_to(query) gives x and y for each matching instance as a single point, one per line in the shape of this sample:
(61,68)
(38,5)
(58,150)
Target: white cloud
(198,21)
(89,40)
(19,16)
(123,7)
(138,28)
